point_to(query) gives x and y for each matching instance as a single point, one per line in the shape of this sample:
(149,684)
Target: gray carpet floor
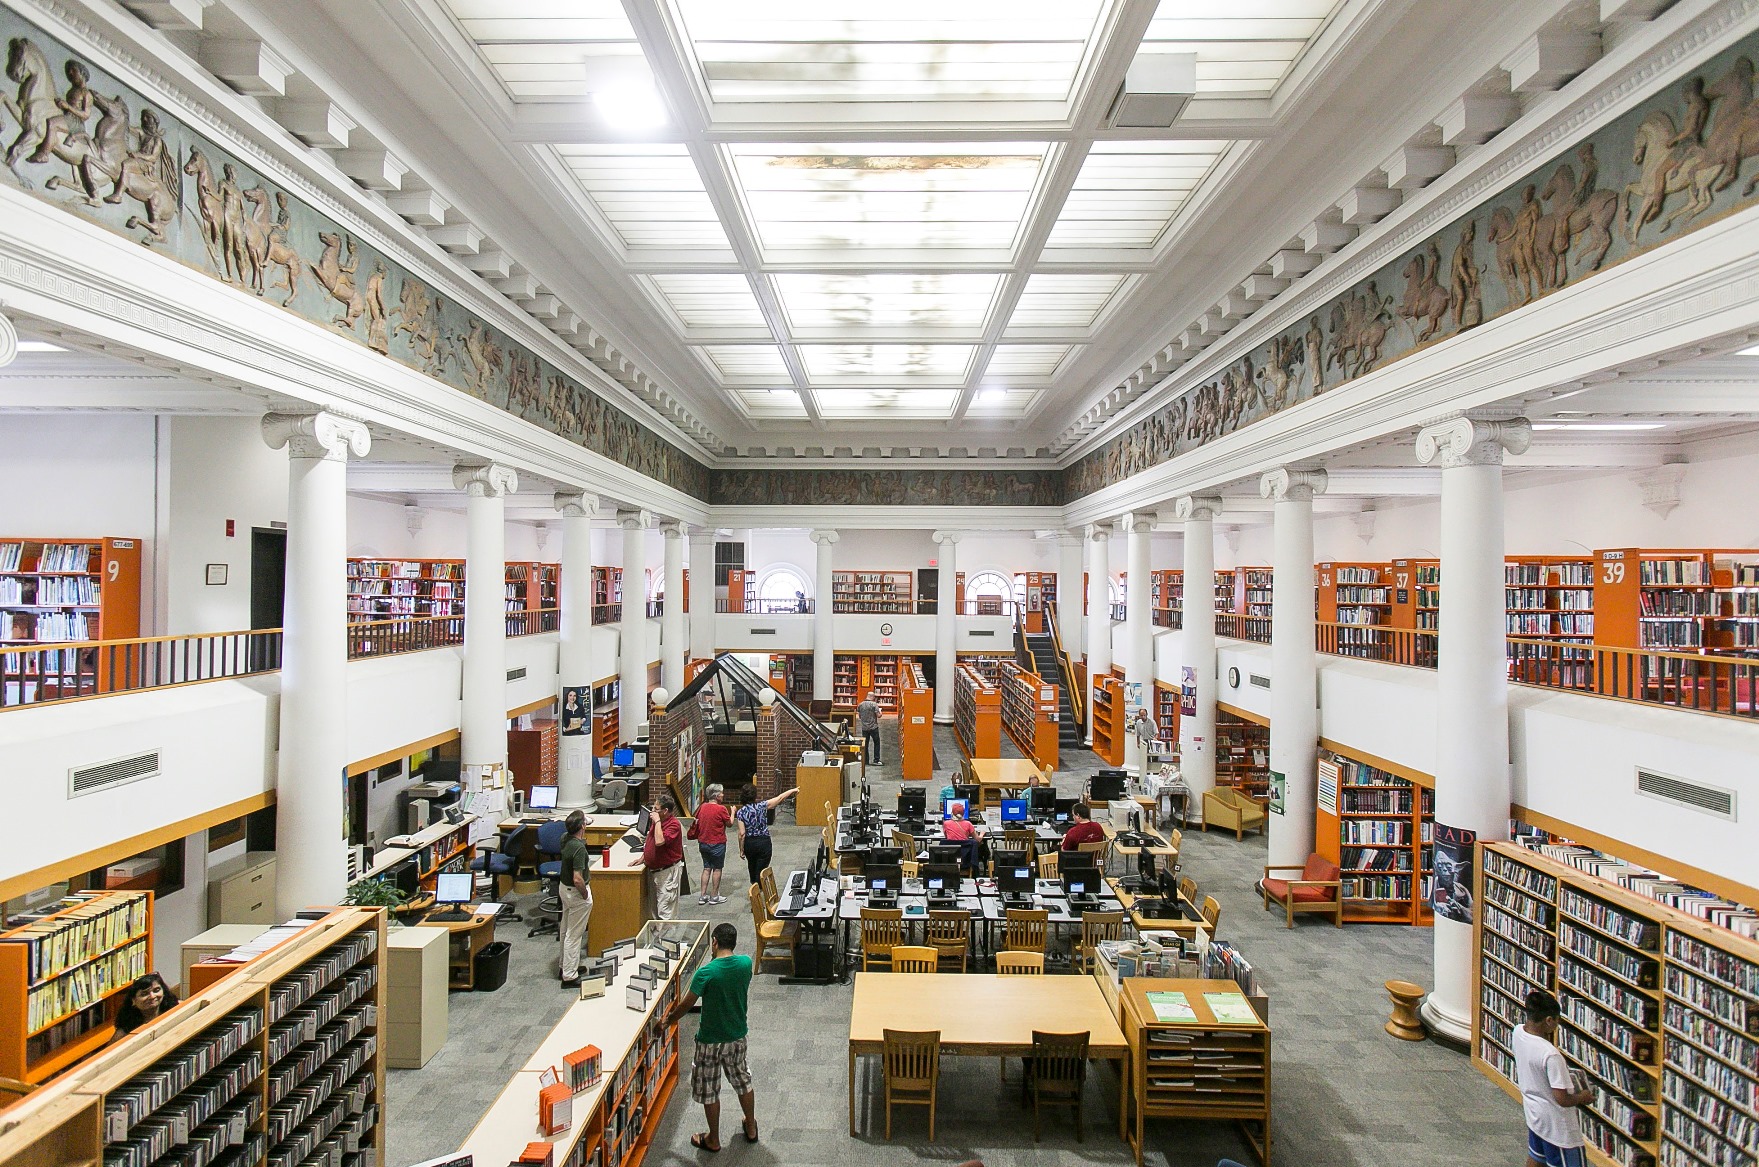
(1344,1094)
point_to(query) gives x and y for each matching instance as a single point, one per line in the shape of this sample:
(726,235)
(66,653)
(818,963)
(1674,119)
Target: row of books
(1620,924)
(1737,918)
(84,985)
(300,986)
(54,557)
(195,1145)
(1364,595)
(1357,575)
(82,926)
(1375,801)
(1673,571)
(69,627)
(1385,831)
(166,1079)
(48,590)
(1653,603)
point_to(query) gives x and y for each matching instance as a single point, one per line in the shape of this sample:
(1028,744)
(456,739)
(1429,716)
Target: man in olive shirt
(576,894)
(722,985)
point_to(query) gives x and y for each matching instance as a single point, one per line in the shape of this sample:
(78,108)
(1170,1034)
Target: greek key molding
(1469,441)
(322,435)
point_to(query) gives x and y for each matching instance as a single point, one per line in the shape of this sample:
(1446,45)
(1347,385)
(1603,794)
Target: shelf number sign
(112,570)
(1612,570)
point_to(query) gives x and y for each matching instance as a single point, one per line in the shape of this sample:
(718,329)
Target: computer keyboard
(448,917)
(793,902)
(797,881)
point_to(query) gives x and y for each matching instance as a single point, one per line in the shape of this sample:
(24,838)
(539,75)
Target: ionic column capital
(1197,508)
(485,479)
(8,341)
(823,536)
(1471,441)
(635,520)
(1136,523)
(1097,533)
(674,528)
(576,504)
(319,435)
(946,537)
(1292,484)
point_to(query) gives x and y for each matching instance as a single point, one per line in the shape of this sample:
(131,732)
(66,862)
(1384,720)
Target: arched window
(988,583)
(781,587)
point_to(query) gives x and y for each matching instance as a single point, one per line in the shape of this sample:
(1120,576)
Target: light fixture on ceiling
(39,346)
(991,396)
(1604,427)
(630,105)
(1155,91)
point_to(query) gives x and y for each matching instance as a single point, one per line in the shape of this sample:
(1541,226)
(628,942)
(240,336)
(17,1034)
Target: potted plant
(377,893)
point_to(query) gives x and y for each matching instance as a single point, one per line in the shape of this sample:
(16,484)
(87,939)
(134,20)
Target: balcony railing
(607,613)
(1394,646)
(1240,627)
(1701,682)
(64,672)
(986,606)
(533,620)
(754,606)
(406,634)
(1166,618)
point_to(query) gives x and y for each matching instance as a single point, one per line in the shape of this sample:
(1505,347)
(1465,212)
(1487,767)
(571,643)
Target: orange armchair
(1320,889)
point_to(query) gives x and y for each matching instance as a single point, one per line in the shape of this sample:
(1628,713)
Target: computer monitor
(1145,867)
(542,798)
(963,806)
(1062,809)
(944,853)
(1106,785)
(1014,879)
(883,876)
(940,876)
(885,856)
(969,791)
(1041,799)
(1169,885)
(1081,882)
(912,802)
(623,758)
(407,877)
(1082,860)
(644,821)
(452,888)
(1013,810)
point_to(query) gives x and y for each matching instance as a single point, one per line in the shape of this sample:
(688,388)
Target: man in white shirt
(867,715)
(1548,1094)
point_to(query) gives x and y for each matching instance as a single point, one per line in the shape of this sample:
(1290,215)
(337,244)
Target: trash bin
(491,966)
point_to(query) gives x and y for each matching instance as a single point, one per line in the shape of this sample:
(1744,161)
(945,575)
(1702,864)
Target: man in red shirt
(1085,829)
(958,829)
(662,851)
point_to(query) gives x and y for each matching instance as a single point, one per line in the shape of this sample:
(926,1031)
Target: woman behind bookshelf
(145,1002)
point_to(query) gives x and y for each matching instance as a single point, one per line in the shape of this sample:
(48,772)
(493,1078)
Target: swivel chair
(502,861)
(612,795)
(549,869)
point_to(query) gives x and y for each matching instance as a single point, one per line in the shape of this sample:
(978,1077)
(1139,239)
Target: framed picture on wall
(217,574)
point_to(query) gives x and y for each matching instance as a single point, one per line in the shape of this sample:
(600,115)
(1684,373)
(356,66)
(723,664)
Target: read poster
(1452,896)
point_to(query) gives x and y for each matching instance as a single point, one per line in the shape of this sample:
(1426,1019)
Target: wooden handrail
(1077,698)
(60,645)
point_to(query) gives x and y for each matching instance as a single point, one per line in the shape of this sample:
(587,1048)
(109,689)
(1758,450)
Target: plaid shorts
(706,1067)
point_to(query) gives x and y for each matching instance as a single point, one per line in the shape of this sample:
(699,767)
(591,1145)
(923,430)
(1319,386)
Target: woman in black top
(753,819)
(144,1003)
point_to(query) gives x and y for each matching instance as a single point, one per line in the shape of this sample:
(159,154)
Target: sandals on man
(750,1130)
(700,1142)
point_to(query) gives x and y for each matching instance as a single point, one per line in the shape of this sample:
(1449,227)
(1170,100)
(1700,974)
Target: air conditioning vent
(115,772)
(516,674)
(1716,800)
(762,631)
(1261,682)
(981,632)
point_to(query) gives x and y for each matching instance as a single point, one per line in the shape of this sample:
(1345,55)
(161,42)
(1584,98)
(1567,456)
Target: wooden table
(468,938)
(601,829)
(981,1015)
(997,775)
(1181,926)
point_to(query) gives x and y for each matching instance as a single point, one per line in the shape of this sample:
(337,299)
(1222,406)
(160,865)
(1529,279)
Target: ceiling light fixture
(991,396)
(39,346)
(630,105)
(1598,426)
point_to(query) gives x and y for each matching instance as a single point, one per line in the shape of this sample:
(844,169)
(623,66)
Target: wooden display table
(468,937)
(998,776)
(818,785)
(980,1015)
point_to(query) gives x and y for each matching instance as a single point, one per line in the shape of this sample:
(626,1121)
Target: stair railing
(1077,698)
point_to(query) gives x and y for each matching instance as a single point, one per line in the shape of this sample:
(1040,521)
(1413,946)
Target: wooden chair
(912,1067)
(1095,927)
(851,863)
(1101,851)
(1019,964)
(766,879)
(1025,930)
(1212,913)
(882,929)
(1056,1074)
(914,958)
(1319,889)
(1188,889)
(1026,841)
(949,934)
(1047,865)
(1230,810)
(770,933)
(911,869)
(904,841)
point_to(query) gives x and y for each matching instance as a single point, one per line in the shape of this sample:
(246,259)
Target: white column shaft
(1071,626)
(702,596)
(1294,713)
(946,631)
(823,620)
(672,652)
(574,656)
(1099,615)
(1197,653)
(483,720)
(632,635)
(1138,630)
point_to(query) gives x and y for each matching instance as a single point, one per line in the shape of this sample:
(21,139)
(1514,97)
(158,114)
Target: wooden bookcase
(605,716)
(1039,588)
(1200,1067)
(1166,597)
(1242,753)
(915,723)
(1660,1007)
(1029,713)
(532,587)
(1108,719)
(1358,595)
(607,595)
(1376,827)
(68,590)
(384,589)
(265,1061)
(857,676)
(977,713)
(60,977)
(736,580)
(1224,590)
(1166,714)
(887,592)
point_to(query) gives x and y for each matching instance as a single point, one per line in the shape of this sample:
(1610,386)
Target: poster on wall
(1188,692)
(1278,788)
(576,710)
(1452,897)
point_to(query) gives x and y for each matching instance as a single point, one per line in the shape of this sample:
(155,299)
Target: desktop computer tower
(814,957)
(417,815)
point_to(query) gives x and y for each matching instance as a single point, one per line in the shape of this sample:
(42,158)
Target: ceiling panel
(931,198)
(816,301)
(911,51)
(650,194)
(1025,361)
(884,403)
(835,363)
(747,362)
(1128,192)
(549,50)
(770,402)
(710,301)
(997,402)
(1066,301)
(1244,47)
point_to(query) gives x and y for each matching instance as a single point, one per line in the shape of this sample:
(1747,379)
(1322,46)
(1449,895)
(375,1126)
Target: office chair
(549,869)
(503,861)
(612,795)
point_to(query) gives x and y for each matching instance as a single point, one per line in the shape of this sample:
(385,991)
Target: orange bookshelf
(915,723)
(1166,713)
(384,589)
(1108,719)
(977,714)
(1040,588)
(887,592)
(1029,714)
(1358,595)
(1166,597)
(1242,752)
(1374,821)
(65,591)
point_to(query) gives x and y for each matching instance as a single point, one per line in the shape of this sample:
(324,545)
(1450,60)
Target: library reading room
(600,583)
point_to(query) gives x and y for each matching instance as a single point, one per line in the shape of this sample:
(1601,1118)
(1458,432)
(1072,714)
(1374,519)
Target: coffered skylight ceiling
(861,210)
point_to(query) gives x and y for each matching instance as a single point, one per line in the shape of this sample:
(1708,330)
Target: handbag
(694,832)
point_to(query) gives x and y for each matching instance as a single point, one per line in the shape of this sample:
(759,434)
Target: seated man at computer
(1085,829)
(958,829)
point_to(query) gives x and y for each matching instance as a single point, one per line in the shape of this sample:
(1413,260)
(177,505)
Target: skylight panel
(879,299)
(881,404)
(1064,301)
(1128,192)
(1244,47)
(546,50)
(831,363)
(710,301)
(992,401)
(650,194)
(747,362)
(1024,361)
(770,402)
(891,197)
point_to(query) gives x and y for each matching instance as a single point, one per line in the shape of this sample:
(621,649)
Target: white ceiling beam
(519,286)
(373,167)
(1632,11)
(1262,287)
(1477,118)
(1322,238)
(466,240)
(1292,265)
(424,208)
(1550,59)
(1365,205)
(170,15)
(249,66)
(1414,167)
(544,306)
(319,123)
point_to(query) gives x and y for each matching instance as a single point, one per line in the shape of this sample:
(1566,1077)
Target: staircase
(1044,663)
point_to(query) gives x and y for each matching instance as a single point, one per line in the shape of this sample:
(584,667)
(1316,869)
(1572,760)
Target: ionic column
(1071,626)
(1294,666)
(672,614)
(1472,689)
(1197,646)
(1138,628)
(702,595)
(314,657)
(632,632)
(483,717)
(823,626)
(1099,613)
(574,655)
(946,629)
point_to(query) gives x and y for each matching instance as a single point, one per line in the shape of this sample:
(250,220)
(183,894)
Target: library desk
(468,938)
(982,1015)
(622,897)
(1182,926)
(601,829)
(996,776)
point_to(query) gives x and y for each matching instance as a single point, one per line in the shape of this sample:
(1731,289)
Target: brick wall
(662,749)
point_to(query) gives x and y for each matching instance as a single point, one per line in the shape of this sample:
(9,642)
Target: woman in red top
(1085,829)
(712,818)
(958,830)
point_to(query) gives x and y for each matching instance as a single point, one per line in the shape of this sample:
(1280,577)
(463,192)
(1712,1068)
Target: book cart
(266,1063)
(1660,1004)
(610,1117)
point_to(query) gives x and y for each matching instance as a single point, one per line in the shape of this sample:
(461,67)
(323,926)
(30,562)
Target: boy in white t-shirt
(1548,1094)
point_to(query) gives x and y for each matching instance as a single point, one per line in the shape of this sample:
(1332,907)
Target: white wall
(377,527)
(216,469)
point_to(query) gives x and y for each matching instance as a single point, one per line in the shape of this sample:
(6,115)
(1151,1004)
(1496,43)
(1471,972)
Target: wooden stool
(1404,1023)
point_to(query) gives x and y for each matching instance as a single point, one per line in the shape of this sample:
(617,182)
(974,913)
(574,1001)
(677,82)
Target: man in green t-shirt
(576,893)
(722,985)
